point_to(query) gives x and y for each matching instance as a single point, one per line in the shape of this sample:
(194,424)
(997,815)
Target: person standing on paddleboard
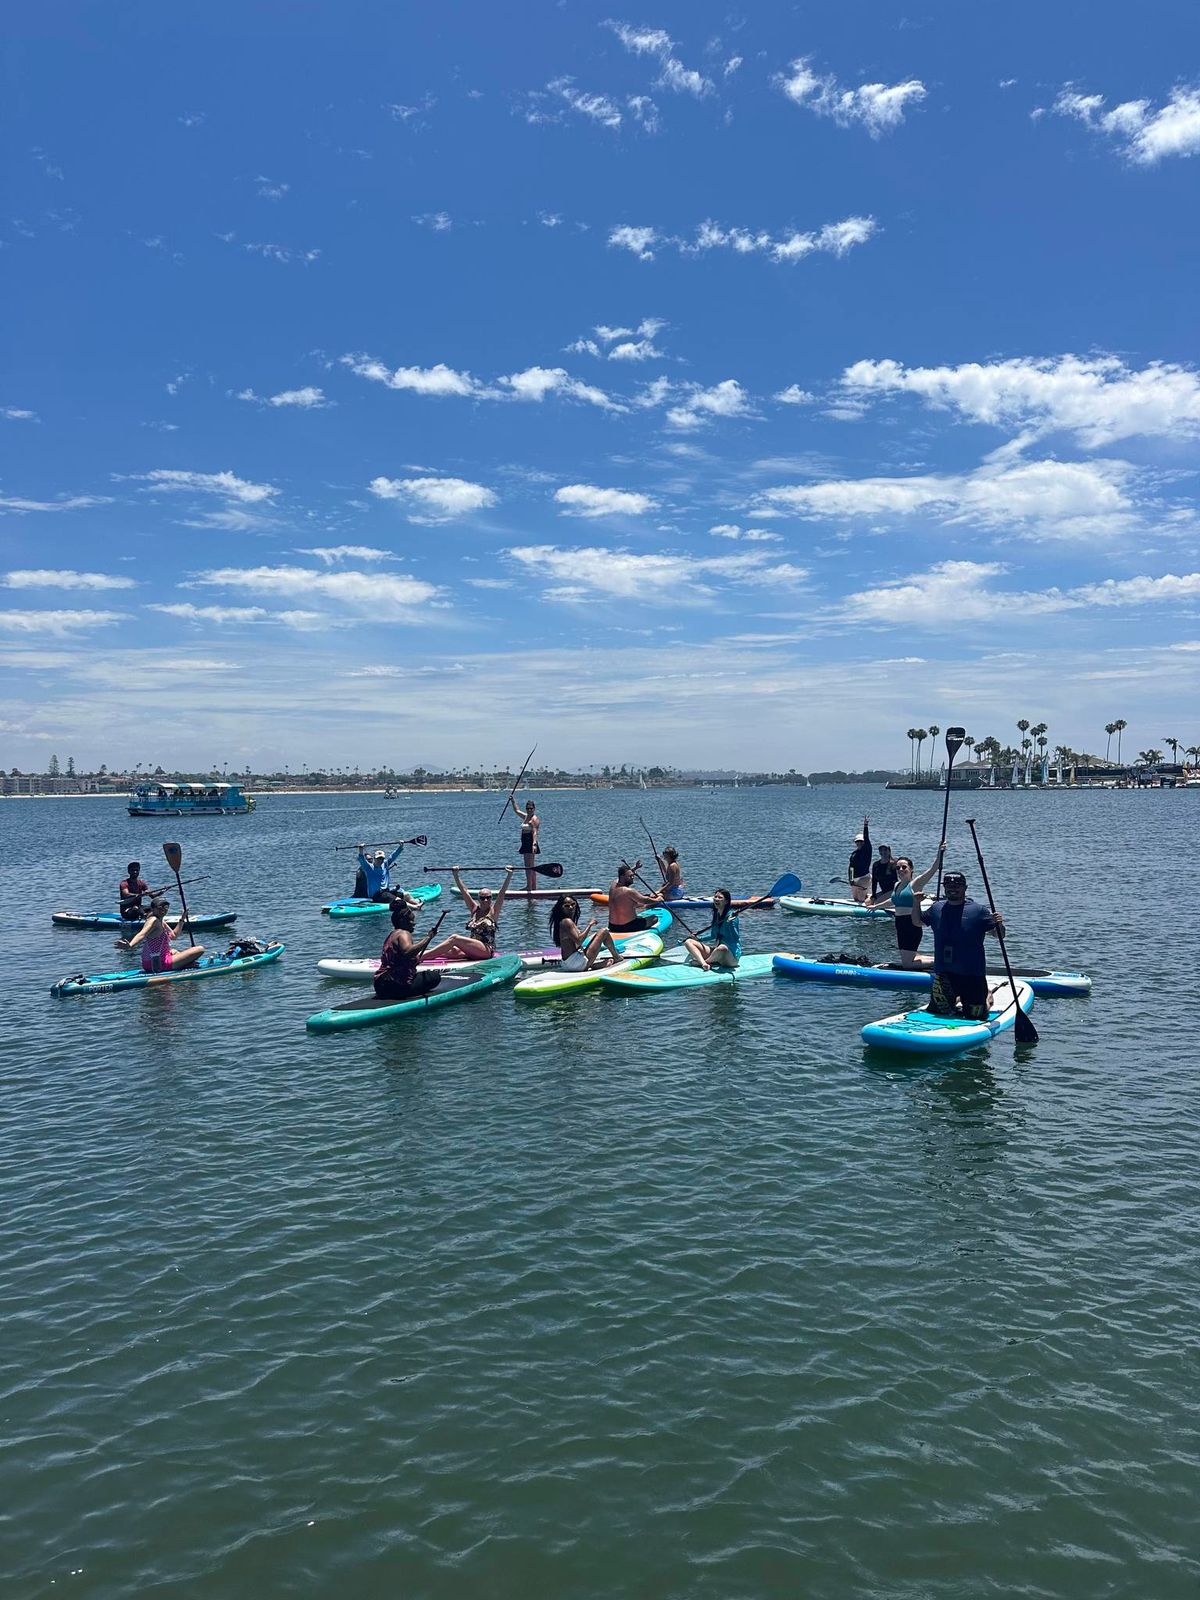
(377,872)
(398,978)
(154,937)
(528,848)
(581,948)
(131,891)
(859,869)
(959,958)
(720,945)
(672,873)
(905,901)
(478,943)
(625,902)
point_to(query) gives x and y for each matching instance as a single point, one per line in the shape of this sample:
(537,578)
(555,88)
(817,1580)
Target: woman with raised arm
(398,978)
(905,901)
(478,943)
(528,848)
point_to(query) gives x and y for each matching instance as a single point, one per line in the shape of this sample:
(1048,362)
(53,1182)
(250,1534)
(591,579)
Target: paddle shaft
(654,848)
(1026,1034)
(954,739)
(666,904)
(161,887)
(515,787)
(174,855)
(384,843)
(548,869)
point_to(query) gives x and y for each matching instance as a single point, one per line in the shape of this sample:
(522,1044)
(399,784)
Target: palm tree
(920,736)
(912,757)
(934,730)
(1174,743)
(1192,750)
(970,744)
(1150,758)
(1110,728)
(1119,728)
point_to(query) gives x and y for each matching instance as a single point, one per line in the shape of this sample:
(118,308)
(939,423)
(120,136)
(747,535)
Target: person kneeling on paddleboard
(377,872)
(398,978)
(672,873)
(478,943)
(959,959)
(581,948)
(131,891)
(720,945)
(905,901)
(154,937)
(858,871)
(625,902)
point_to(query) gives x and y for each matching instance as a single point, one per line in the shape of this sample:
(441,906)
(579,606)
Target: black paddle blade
(1024,1029)
(421,839)
(174,855)
(552,869)
(954,739)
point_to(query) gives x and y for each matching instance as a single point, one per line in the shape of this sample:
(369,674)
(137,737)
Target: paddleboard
(816,905)
(674,971)
(112,922)
(698,903)
(636,950)
(368,908)
(921,1033)
(453,987)
(206,967)
(532,894)
(353,969)
(889,975)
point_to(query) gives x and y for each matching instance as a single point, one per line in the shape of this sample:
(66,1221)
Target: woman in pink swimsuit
(155,936)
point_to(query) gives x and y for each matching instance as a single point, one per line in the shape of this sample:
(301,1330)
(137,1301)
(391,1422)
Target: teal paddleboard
(674,972)
(923,1033)
(371,908)
(206,967)
(453,987)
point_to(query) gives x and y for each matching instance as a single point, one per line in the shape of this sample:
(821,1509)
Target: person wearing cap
(377,872)
(859,869)
(959,958)
(398,977)
(131,891)
(883,875)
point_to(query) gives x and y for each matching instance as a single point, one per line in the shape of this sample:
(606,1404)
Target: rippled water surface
(685,1295)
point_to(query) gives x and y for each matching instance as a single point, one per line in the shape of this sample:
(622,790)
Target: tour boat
(189,800)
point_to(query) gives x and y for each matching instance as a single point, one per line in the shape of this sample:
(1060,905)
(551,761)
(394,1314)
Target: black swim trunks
(638,925)
(950,989)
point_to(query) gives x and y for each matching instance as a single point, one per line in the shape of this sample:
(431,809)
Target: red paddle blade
(174,855)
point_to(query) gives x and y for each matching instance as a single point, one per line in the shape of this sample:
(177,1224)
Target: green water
(682,1295)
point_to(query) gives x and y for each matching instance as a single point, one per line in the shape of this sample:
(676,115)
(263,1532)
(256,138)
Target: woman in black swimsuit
(398,978)
(528,848)
(478,943)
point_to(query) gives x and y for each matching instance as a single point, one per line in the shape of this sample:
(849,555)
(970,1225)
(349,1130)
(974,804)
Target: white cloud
(647,328)
(597,107)
(955,592)
(17,414)
(642,41)
(284,254)
(74,502)
(731,66)
(586,500)
(1145,134)
(231,519)
(386,596)
(268,189)
(333,553)
(725,399)
(435,221)
(1098,398)
(878,107)
(58,623)
(307,399)
(640,241)
(435,499)
(834,238)
(437,380)
(226,484)
(535,383)
(682,80)
(1057,499)
(490,583)
(794,395)
(47,578)
(629,576)
(635,350)
(550,219)
(644,112)
(730,530)
(187,612)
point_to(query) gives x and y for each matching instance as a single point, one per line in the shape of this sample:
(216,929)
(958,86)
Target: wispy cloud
(794,395)
(834,238)
(331,554)
(226,484)
(878,107)
(435,221)
(58,578)
(60,624)
(436,380)
(17,414)
(1144,133)
(236,616)
(626,575)
(586,500)
(655,42)
(430,500)
(385,596)
(74,502)
(731,530)
(269,189)
(699,405)
(532,384)
(622,344)
(306,399)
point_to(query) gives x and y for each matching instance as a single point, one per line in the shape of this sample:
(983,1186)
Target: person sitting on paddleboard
(859,869)
(478,943)
(528,848)
(154,937)
(377,871)
(131,891)
(959,958)
(905,901)
(720,945)
(625,902)
(672,873)
(398,978)
(883,875)
(581,948)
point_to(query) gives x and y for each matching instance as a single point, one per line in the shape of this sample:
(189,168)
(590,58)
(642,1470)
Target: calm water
(664,1296)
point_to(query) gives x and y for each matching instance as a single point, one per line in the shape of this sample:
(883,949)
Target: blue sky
(402,384)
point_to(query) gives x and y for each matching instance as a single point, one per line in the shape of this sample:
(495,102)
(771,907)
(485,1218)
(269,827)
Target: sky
(398,385)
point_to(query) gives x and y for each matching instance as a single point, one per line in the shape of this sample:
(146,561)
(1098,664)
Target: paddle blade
(788,884)
(174,855)
(1024,1029)
(550,869)
(421,839)
(954,739)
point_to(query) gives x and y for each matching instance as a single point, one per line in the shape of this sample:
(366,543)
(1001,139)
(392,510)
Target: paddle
(174,855)
(548,869)
(386,843)
(1023,1028)
(665,905)
(654,849)
(515,787)
(954,739)
(164,886)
